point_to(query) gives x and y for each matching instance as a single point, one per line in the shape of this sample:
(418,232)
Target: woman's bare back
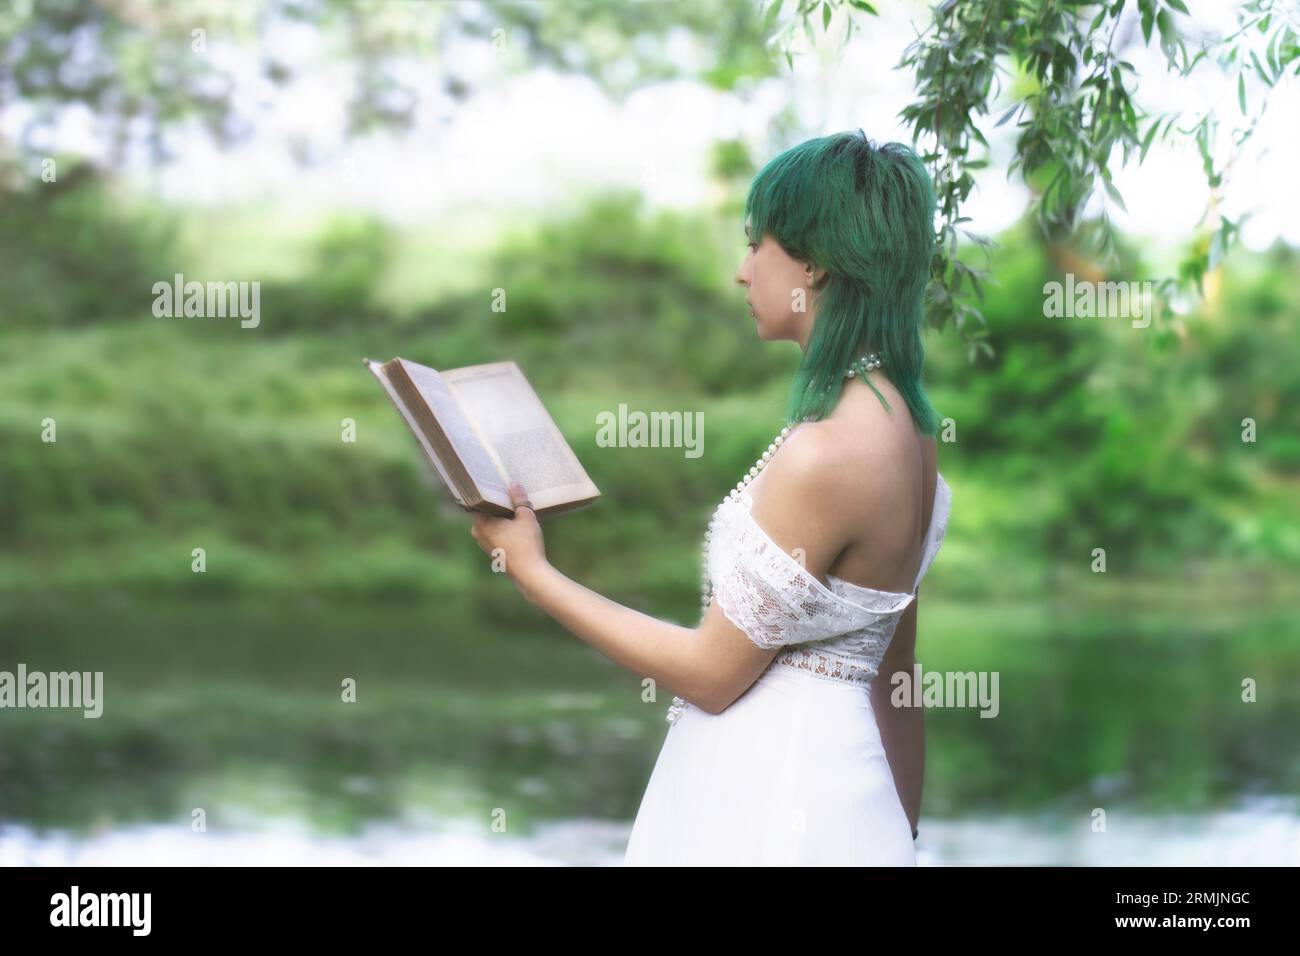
(890,474)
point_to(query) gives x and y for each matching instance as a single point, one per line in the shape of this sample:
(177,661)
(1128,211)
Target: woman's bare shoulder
(812,458)
(842,460)
(871,455)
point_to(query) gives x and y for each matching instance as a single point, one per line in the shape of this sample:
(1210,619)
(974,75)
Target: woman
(785,748)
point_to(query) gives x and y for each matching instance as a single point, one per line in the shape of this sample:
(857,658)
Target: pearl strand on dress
(859,367)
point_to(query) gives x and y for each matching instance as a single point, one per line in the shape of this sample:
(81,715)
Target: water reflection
(234,708)
(1260,832)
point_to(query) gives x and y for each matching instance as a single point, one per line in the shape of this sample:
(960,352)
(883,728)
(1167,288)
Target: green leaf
(826,16)
(772,12)
(1168,32)
(1114,193)
(1178,5)
(1271,57)
(1148,140)
(1259,68)
(1241,92)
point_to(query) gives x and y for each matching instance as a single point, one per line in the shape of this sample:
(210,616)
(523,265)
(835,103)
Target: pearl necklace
(860,367)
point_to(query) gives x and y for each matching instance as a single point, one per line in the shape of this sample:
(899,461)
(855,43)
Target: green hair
(865,214)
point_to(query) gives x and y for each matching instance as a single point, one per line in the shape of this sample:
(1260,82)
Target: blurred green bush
(181,433)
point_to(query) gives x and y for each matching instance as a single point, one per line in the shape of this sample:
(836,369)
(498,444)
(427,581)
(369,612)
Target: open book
(482,427)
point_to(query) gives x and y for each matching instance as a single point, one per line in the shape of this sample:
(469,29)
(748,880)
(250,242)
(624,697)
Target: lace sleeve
(767,593)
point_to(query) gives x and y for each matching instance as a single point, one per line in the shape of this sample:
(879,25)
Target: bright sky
(528,139)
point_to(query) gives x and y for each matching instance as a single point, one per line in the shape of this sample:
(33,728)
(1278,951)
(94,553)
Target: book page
(520,432)
(378,371)
(476,459)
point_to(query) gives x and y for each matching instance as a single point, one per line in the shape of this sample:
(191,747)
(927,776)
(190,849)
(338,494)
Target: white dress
(794,771)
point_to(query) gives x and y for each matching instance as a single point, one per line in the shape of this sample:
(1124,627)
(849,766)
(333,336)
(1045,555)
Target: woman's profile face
(778,290)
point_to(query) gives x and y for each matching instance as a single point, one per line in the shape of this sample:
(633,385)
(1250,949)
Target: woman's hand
(520,538)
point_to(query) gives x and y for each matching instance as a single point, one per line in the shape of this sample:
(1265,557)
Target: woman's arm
(902,729)
(709,666)
(712,664)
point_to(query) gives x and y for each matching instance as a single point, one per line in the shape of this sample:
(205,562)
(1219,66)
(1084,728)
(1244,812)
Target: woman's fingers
(519,497)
